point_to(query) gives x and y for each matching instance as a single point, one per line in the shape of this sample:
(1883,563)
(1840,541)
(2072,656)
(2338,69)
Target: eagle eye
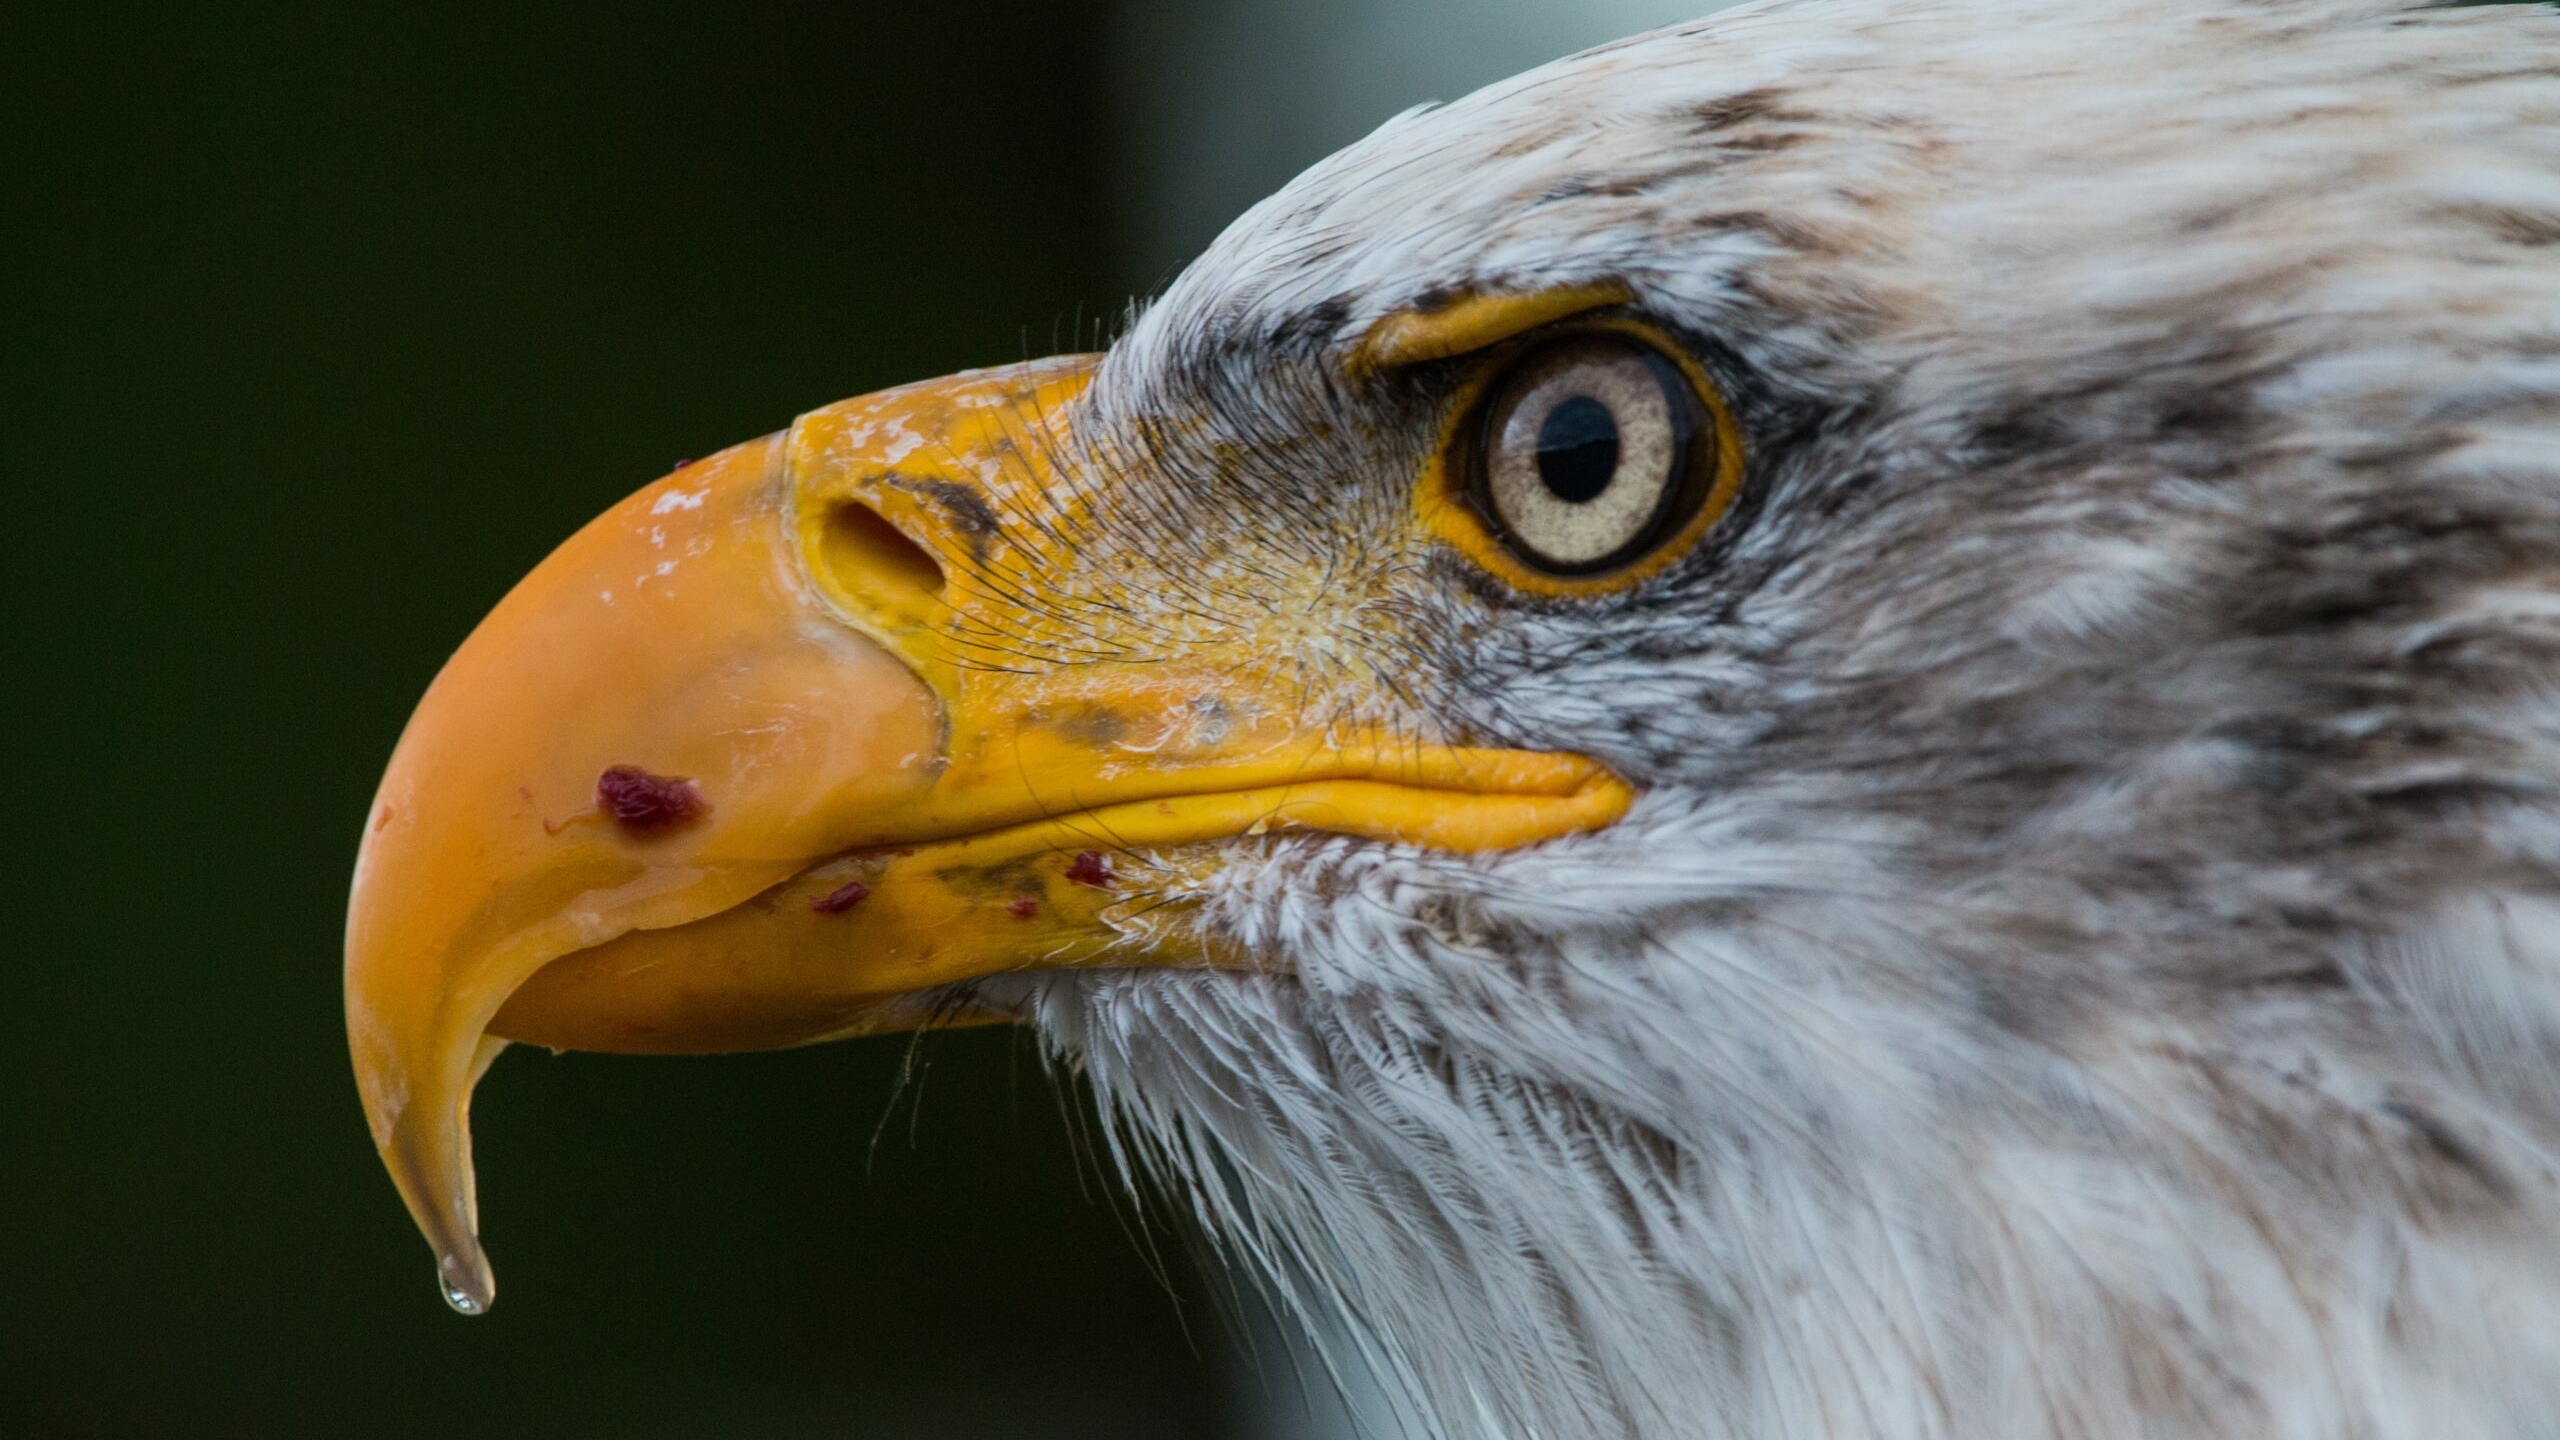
(1592,454)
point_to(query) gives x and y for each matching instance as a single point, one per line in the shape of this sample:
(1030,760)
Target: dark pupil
(1578,450)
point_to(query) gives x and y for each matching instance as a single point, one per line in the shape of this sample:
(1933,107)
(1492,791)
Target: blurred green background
(323,323)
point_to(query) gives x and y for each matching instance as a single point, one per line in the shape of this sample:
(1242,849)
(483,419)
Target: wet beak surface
(730,770)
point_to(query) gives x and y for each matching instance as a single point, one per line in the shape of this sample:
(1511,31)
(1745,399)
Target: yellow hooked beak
(803,731)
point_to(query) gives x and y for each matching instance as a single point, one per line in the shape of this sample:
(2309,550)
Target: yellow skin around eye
(1444,509)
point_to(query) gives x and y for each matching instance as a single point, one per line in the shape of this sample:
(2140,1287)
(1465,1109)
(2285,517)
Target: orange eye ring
(1520,491)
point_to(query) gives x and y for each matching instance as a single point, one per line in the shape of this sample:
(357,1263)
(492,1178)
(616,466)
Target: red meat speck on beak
(1090,867)
(1022,907)
(645,804)
(842,898)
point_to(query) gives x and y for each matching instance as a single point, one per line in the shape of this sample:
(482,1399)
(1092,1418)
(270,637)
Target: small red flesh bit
(645,804)
(842,898)
(1023,907)
(1090,868)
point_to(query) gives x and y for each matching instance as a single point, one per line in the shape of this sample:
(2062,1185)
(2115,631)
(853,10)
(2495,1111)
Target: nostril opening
(868,554)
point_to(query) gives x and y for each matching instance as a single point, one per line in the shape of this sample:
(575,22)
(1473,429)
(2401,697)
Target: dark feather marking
(2441,1141)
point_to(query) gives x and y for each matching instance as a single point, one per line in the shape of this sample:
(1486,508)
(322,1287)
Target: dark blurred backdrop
(323,324)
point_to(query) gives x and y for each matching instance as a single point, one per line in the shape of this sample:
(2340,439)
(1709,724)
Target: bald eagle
(1839,722)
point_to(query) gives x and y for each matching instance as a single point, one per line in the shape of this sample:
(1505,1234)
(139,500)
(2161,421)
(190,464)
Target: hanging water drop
(468,1286)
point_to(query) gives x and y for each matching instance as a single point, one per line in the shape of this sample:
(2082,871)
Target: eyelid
(1472,322)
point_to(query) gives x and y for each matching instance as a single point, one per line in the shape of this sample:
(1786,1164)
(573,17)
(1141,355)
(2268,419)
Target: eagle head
(1836,722)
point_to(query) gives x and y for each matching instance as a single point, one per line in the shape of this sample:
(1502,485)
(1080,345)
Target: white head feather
(2087,960)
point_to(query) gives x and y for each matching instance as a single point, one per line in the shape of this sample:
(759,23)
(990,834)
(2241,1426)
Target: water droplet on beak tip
(468,1286)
